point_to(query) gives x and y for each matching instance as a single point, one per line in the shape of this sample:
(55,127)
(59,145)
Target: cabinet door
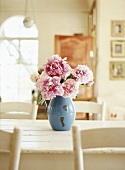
(77,50)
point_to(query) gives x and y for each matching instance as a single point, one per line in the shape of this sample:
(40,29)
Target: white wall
(107,10)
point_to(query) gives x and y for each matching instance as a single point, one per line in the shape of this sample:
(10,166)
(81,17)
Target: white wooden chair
(18,110)
(91,107)
(115,103)
(111,137)
(11,142)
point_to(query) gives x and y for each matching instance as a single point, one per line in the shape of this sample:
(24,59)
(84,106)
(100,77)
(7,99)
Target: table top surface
(38,135)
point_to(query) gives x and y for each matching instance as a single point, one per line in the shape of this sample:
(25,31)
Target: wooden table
(45,149)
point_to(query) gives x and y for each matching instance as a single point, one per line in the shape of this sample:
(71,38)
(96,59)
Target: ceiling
(46,5)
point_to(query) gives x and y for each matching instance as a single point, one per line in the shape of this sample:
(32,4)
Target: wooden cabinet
(77,49)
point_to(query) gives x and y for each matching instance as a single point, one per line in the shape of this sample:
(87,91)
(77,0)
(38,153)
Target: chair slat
(18,110)
(91,107)
(103,137)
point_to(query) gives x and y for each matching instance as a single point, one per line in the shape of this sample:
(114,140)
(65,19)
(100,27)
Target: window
(18,59)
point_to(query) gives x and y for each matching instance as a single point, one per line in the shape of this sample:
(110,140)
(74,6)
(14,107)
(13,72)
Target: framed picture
(118,48)
(117,28)
(117,70)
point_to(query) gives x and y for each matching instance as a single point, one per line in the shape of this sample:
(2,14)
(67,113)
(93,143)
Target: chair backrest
(95,138)
(91,107)
(11,141)
(115,103)
(18,110)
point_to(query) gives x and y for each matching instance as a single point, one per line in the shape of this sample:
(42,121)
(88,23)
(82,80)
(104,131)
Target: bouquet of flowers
(59,79)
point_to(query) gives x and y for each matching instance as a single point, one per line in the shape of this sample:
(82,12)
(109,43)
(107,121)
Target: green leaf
(85,85)
(40,100)
(70,76)
(39,72)
(62,80)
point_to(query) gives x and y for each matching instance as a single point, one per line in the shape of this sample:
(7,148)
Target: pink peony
(51,87)
(83,75)
(90,83)
(70,88)
(59,79)
(56,66)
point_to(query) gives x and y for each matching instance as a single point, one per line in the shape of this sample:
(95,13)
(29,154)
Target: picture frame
(117,70)
(118,48)
(117,28)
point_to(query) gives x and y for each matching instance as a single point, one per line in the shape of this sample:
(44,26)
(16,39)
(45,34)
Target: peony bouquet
(59,79)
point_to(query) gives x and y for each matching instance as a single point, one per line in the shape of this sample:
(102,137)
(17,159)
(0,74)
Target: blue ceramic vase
(61,113)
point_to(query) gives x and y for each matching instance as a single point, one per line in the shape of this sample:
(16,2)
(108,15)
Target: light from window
(18,59)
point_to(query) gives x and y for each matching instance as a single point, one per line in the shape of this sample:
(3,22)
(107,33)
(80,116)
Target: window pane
(29,51)
(9,51)
(15,82)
